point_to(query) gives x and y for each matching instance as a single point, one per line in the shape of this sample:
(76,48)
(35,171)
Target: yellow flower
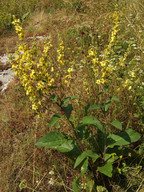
(70,70)
(98,81)
(95,60)
(121,157)
(133,74)
(52,69)
(34,107)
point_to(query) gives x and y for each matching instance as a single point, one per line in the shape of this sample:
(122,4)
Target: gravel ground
(6,75)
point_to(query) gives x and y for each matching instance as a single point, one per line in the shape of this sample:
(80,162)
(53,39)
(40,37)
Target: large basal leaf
(56,141)
(106,169)
(66,146)
(116,124)
(92,121)
(84,155)
(54,119)
(123,138)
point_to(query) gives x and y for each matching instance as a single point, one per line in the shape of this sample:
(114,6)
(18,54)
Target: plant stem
(82,146)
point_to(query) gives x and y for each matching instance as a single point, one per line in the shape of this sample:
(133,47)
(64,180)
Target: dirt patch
(4,67)
(8,44)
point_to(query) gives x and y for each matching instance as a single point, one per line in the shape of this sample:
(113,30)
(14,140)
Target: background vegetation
(81,25)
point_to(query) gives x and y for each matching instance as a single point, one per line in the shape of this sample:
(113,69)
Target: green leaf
(116,124)
(106,169)
(92,121)
(122,138)
(40,92)
(65,100)
(74,185)
(25,15)
(54,97)
(90,185)
(110,158)
(18,87)
(56,141)
(95,106)
(84,167)
(100,92)
(115,99)
(84,155)
(66,146)
(75,152)
(101,189)
(54,119)
(107,105)
(67,109)
(52,139)
(106,88)
(52,87)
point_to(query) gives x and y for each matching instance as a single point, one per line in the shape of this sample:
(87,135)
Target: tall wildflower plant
(115,65)
(95,147)
(37,71)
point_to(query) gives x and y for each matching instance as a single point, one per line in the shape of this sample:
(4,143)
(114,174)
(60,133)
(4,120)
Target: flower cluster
(18,28)
(66,70)
(102,68)
(36,70)
(112,63)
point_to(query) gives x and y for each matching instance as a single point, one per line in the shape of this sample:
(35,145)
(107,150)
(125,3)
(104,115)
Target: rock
(6,76)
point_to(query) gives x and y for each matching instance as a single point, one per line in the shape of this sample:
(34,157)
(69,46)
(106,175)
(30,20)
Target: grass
(25,167)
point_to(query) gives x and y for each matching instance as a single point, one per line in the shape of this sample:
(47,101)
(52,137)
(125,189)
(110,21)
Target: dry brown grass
(8,43)
(20,159)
